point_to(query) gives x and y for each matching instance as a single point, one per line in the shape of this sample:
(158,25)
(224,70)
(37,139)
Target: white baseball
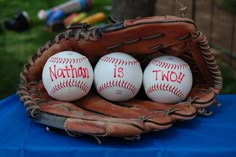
(167,79)
(118,76)
(67,76)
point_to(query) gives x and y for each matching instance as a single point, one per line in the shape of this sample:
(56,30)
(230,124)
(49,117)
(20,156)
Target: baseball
(67,76)
(118,76)
(167,79)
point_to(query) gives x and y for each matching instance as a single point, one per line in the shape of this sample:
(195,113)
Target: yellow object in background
(67,20)
(98,17)
(78,18)
(74,18)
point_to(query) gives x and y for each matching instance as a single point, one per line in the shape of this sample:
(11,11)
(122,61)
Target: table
(203,136)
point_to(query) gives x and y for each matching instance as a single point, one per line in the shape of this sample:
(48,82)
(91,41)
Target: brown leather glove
(143,38)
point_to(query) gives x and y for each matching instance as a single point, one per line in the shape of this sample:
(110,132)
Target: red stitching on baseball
(67,60)
(112,60)
(169,65)
(118,83)
(166,87)
(69,83)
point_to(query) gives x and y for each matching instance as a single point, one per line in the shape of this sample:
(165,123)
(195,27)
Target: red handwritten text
(68,72)
(118,72)
(169,75)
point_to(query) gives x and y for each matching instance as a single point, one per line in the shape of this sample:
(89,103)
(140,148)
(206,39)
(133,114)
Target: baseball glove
(143,38)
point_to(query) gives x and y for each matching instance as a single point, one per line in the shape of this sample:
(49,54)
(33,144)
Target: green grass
(228,74)
(16,48)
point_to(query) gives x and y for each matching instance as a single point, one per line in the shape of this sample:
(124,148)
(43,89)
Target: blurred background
(25,26)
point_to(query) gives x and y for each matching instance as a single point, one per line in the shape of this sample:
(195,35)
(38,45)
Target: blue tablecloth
(212,136)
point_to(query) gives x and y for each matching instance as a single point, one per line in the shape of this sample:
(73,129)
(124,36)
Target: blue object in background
(54,16)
